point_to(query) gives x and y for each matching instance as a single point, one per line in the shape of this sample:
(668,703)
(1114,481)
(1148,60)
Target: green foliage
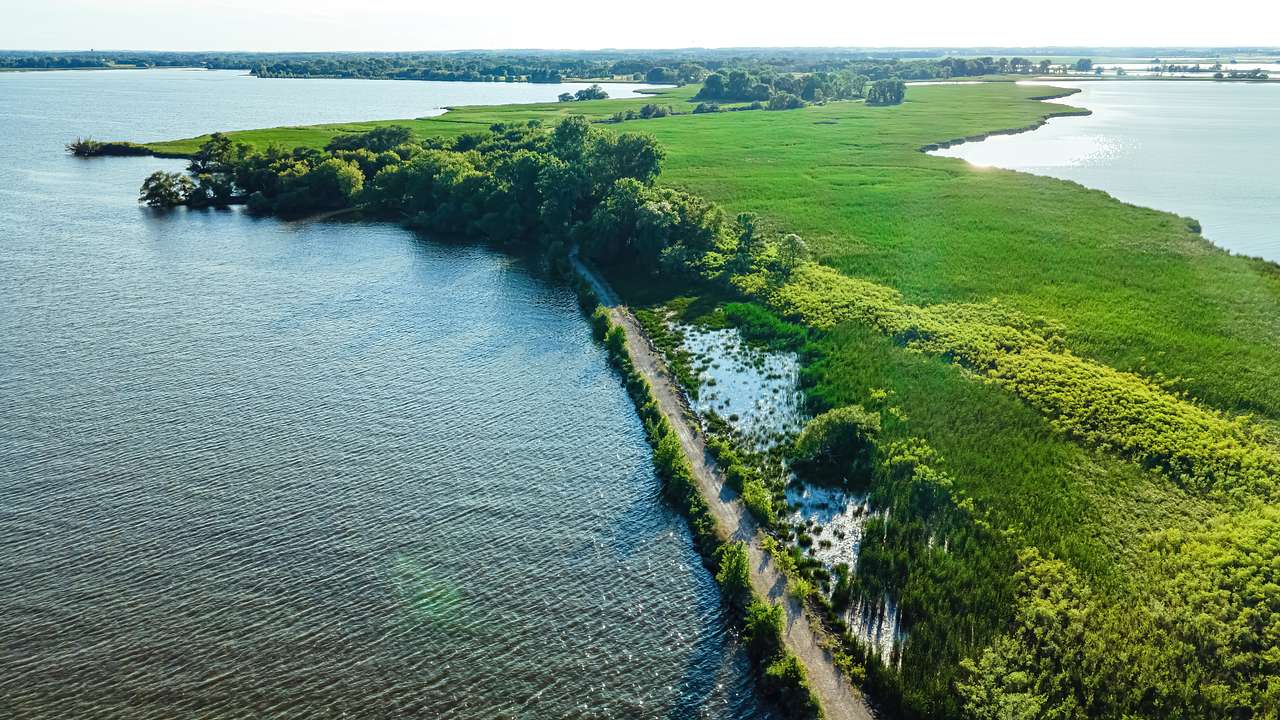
(654,228)
(1119,411)
(784,101)
(759,501)
(786,685)
(377,140)
(760,326)
(762,628)
(839,443)
(616,340)
(886,92)
(165,189)
(781,91)
(734,574)
(594,92)
(88,147)
(600,322)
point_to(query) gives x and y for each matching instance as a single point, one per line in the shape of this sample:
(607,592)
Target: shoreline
(1070,112)
(804,635)
(1193,222)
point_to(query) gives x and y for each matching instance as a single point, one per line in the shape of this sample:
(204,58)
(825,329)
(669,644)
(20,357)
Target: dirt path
(840,701)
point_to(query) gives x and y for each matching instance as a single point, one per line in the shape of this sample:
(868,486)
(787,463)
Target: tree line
(764,65)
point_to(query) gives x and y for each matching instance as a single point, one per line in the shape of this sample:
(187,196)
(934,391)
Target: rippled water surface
(261,469)
(1201,149)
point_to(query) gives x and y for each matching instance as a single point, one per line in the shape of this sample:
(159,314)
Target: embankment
(801,635)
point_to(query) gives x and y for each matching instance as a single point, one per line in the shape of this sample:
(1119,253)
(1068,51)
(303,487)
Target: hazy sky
(456,24)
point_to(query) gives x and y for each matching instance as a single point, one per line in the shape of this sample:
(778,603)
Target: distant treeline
(544,66)
(659,68)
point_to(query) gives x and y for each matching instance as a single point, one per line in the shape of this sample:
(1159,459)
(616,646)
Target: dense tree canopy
(886,92)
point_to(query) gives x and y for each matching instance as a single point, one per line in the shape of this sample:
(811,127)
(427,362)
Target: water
(252,469)
(1198,149)
(757,392)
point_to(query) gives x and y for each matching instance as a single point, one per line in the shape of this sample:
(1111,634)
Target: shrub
(786,686)
(839,442)
(616,340)
(762,628)
(785,101)
(600,323)
(734,575)
(757,499)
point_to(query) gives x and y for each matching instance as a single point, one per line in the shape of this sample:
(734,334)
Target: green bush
(786,686)
(734,574)
(757,498)
(762,628)
(616,340)
(839,443)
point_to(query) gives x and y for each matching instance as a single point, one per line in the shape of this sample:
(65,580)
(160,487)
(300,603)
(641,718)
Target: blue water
(1201,149)
(251,468)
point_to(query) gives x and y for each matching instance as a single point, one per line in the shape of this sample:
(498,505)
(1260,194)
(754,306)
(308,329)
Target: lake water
(1199,149)
(251,468)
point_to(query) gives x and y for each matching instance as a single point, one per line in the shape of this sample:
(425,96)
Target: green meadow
(1099,383)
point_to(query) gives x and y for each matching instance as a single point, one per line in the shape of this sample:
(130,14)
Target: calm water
(1201,149)
(258,469)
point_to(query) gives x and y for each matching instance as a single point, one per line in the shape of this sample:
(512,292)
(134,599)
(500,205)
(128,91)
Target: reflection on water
(757,392)
(836,520)
(754,390)
(1191,148)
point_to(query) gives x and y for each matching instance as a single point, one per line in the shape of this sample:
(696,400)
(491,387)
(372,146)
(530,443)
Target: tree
(214,189)
(661,75)
(886,92)
(714,87)
(785,101)
(739,86)
(1084,65)
(165,189)
(215,155)
(838,443)
(595,92)
(375,141)
(791,252)
(565,97)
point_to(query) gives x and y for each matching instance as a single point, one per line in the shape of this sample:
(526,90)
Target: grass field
(1119,287)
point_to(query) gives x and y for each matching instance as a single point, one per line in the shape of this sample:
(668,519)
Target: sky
(318,25)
